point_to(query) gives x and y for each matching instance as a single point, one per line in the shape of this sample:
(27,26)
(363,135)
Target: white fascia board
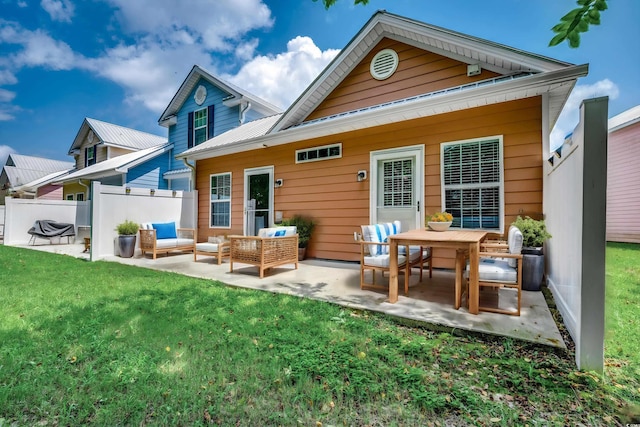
(421,107)
(125,168)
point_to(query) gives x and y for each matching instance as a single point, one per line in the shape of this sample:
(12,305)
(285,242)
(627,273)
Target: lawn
(109,344)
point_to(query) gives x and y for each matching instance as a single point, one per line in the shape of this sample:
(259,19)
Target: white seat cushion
(207,247)
(382,260)
(496,270)
(172,243)
(514,240)
(278,231)
(379,233)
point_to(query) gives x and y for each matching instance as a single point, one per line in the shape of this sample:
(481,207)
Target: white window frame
(197,128)
(69,197)
(229,200)
(317,149)
(88,160)
(499,184)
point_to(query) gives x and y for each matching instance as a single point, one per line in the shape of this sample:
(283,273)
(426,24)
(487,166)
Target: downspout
(193,173)
(243,111)
(87,187)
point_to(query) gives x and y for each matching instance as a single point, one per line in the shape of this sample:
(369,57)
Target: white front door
(397,186)
(258,199)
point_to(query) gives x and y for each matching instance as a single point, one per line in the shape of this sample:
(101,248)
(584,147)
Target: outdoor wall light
(278,183)
(550,160)
(173,193)
(558,152)
(152,192)
(127,190)
(362,175)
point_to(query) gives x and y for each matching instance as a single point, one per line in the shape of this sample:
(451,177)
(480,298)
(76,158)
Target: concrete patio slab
(429,301)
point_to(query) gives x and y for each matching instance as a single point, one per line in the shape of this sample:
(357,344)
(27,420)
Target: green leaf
(601,5)
(582,26)
(557,39)
(574,39)
(584,2)
(571,15)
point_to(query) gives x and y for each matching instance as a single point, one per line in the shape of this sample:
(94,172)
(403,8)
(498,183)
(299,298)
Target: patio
(339,283)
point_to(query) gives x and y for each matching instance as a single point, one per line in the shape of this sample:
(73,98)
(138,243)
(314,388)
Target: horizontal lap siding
(418,72)
(623,185)
(329,192)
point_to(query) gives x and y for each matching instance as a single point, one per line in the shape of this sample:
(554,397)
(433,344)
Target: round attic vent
(201,95)
(384,64)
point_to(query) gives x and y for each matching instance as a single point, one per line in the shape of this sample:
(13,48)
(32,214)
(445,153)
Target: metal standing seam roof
(116,136)
(37,163)
(117,165)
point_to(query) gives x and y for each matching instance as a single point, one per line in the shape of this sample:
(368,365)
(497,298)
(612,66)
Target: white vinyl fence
(575,214)
(21,214)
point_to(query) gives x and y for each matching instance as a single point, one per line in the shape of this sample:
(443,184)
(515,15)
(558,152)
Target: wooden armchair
(374,255)
(271,248)
(501,267)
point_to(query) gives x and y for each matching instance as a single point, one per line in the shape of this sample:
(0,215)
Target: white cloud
(214,23)
(59,10)
(6,96)
(7,77)
(570,115)
(280,79)
(5,150)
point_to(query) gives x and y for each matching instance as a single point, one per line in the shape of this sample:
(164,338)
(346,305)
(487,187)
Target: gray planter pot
(127,245)
(532,269)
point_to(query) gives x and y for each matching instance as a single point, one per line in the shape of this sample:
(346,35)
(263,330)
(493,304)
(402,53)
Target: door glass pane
(259,190)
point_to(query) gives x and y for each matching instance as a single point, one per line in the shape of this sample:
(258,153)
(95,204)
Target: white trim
(69,195)
(416,151)
(500,139)
(317,159)
(257,171)
(230,199)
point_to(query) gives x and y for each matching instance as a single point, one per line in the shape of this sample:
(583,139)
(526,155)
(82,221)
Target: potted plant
(304,227)
(127,232)
(534,234)
(440,221)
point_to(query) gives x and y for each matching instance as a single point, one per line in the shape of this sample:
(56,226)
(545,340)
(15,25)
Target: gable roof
(41,182)
(502,59)
(116,165)
(236,95)
(624,119)
(521,75)
(21,170)
(115,136)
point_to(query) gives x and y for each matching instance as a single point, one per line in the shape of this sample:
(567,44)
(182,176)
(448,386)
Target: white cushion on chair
(207,247)
(382,260)
(514,240)
(496,270)
(379,233)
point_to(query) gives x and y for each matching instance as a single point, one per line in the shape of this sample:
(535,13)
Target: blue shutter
(190,130)
(210,122)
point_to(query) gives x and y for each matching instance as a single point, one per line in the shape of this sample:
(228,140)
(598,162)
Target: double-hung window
(472,183)
(221,200)
(90,155)
(200,126)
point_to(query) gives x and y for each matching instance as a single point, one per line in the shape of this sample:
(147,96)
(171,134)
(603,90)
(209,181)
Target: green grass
(109,344)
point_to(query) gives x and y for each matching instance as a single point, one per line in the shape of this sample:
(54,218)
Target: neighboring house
(115,155)
(623,177)
(30,177)
(205,106)
(409,119)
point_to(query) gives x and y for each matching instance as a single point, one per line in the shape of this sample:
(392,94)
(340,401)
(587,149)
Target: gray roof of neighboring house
(21,170)
(624,119)
(115,136)
(116,165)
(237,94)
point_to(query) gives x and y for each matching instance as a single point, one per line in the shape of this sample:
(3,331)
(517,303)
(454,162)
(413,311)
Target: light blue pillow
(165,230)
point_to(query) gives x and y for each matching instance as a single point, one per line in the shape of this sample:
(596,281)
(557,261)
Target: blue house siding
(225,118)
(149,174)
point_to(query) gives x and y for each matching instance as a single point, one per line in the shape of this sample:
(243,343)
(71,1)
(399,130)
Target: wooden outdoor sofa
(272,247)
(158,238)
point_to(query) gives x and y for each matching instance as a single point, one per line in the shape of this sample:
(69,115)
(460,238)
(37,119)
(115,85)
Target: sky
(121,61)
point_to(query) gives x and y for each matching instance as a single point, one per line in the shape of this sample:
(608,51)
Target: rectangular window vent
(315,154)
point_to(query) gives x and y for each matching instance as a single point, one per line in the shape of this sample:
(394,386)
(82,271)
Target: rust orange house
(407,120)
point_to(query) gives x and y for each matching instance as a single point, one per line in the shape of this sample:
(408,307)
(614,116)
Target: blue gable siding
(225,118)
(149,174)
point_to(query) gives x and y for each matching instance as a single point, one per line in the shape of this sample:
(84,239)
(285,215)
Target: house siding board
(225,118)
(329,192)
(149,174)
(623,185)
(418,72)
(50,192)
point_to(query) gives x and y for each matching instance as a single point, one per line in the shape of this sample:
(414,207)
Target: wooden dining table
(465,242)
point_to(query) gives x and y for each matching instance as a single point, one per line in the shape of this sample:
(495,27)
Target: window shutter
(210,133)
(190,130)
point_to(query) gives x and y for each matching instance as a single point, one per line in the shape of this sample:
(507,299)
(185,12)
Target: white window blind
(221,200)
(472,183)
(397,183)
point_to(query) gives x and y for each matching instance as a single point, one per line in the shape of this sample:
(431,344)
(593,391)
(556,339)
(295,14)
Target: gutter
(192,179)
